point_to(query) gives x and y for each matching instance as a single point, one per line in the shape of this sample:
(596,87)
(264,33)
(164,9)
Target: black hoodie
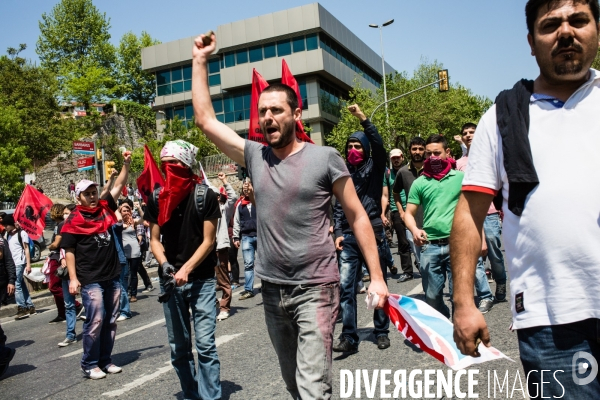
(8,273)
(367,178)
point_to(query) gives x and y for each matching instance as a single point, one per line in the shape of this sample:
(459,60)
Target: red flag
(31,211)
(288,79)
(150,178)
(258,84)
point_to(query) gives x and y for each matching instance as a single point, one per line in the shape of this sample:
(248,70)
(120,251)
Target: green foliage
(596,63)
(134,84)
(142,115)
(74,45)
(13,159)
(31,92)
(422,113)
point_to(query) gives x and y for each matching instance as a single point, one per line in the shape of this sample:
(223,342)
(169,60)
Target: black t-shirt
(184,232)
(55,254)
(96,257)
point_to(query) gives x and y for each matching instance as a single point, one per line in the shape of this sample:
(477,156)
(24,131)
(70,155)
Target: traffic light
(108,166)
(98,154)
(444,84)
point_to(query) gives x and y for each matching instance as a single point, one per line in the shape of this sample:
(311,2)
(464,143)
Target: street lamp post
(391,21)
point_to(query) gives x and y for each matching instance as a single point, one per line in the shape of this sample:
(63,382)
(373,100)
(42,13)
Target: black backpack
(199,198)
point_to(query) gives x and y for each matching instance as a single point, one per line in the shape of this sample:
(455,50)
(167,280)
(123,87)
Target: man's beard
(568,66)
(417,158)
(287,135)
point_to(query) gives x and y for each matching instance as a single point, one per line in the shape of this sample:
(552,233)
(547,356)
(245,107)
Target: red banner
(85,163)
(31,211)
(151,177)
(288,79)
(258,85)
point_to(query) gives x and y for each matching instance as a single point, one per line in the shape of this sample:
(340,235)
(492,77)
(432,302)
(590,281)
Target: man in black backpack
(185,213)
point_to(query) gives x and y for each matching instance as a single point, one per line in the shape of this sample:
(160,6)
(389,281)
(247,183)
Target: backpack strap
(155,194)
(200,199)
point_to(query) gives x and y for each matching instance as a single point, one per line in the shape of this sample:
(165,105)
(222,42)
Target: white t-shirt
(16,249)
(553,249)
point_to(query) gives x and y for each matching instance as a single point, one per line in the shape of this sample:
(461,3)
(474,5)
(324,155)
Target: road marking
(122,335)
(146,378)
(416,290)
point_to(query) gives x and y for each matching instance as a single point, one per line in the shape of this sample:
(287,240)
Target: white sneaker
(222,315)
(112,369)
(95,373)
(67,342)
(122,318)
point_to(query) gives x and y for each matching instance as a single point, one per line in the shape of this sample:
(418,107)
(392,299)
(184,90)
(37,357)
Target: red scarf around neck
(90,220)
(180,181)
(437,168)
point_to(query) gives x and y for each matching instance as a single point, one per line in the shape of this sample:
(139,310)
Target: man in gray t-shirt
(294,182)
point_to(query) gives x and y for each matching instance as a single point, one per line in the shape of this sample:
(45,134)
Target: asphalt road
(249,366)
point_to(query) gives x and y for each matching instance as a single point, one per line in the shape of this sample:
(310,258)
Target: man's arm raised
(220,134)
(344,192)
(465,249)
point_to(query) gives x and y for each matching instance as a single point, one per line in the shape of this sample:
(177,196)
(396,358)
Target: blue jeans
(435,266)
(553,348)
(248,252)
(482,286)
(22,296)
(301,320)
(70,310)
(416,250)
(101,302)
(124,279)
(493,231)
(200,297)
(350,262)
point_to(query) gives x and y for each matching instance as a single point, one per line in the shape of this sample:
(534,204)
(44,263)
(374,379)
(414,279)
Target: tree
(596,63)
(31,91)
(74,45)
(134,84)
(13,160)
(422,113)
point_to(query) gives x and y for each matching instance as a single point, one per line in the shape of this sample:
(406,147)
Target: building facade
(326,58)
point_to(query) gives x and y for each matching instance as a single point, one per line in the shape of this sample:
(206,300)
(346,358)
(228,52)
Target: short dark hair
(416,141)
(292,98)
(128,202)
(71,206)
(435,138)
(467,126)
(533,6)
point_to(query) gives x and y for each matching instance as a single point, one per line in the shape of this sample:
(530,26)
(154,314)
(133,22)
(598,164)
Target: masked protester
(94,267)
(365,158)
(186,216)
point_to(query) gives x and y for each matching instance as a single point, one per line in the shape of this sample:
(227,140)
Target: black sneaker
(22,313)
(344,346)
(500,295)
(31,310)
(393,270)
(383,342)
(246,295)
(392,245)
(57,320)
(405,277)
(5,359)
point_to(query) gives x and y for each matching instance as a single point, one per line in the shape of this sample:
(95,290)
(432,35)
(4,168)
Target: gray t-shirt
(292,213)
(131,246)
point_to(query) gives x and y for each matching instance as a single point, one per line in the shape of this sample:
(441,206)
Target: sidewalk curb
(44,298)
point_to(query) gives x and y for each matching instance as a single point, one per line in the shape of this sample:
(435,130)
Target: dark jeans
(403,245)
(233,262)
(350,263)
(3,296)
(301,320)
(135,268)
(562,352)
(199,297)
(101,302)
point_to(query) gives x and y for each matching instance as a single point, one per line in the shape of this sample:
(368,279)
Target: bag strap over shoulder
(200,199)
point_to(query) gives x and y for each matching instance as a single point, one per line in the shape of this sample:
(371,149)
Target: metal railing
(218,163)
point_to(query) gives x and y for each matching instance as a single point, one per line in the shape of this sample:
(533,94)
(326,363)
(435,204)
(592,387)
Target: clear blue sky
(482,43)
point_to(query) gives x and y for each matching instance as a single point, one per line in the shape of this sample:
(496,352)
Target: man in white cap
(94,267)
(186,213)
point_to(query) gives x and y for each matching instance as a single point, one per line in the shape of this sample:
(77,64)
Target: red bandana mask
(437,168)
(180,181)
(90,221)
(355,157)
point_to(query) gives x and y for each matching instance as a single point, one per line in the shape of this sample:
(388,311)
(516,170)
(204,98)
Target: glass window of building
(241,56)
(176,74)
(229,59)
(177,87)
(189,111)
(214,80)
(213,66)
(163,77)
(187,72)
(179,112)
(270,50)
(312,42)
(284,48)
(256,53)
(303,95)
(164,90)
(298,44)
(217,105)
(227,104)
(187,86)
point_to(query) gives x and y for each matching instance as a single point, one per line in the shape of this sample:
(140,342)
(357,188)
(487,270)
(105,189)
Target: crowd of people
(313,224)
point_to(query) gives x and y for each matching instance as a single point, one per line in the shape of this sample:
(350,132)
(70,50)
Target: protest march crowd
(315,225)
